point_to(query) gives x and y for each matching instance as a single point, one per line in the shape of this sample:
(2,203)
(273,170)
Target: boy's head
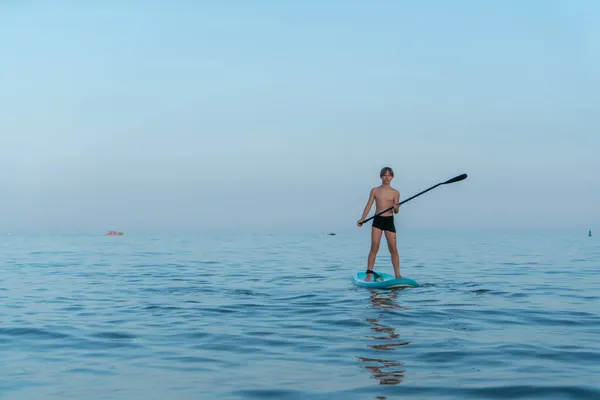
(386,175)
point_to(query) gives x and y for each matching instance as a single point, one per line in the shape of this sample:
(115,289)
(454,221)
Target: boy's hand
(358,223)
(396,208)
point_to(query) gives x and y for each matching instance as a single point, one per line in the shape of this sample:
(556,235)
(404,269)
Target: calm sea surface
(267,316)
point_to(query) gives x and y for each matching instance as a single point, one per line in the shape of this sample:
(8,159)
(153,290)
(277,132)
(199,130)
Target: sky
(198,116)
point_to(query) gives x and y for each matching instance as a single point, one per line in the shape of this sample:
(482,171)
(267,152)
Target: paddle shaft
(455,179)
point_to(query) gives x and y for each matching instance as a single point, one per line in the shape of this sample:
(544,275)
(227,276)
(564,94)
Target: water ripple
(265,316)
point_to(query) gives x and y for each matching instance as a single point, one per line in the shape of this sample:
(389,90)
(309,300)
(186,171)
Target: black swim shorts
(384,223)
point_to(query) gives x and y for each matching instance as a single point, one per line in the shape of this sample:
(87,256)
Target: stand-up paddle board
(380,280)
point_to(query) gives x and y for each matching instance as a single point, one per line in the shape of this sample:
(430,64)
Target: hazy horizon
(199,117)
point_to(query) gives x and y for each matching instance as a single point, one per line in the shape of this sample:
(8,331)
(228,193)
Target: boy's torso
(384,198)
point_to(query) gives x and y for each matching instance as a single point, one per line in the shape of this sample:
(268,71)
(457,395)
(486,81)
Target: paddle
(453,180)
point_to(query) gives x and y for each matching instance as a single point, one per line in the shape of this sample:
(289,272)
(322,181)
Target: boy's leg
(375,240)
(390,237)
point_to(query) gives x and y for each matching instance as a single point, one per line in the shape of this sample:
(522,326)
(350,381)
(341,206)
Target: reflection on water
(385,338)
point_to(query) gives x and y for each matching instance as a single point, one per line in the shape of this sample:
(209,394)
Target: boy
(384,197)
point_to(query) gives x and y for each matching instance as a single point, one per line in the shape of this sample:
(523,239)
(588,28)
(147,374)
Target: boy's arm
(369,204)
(397,202)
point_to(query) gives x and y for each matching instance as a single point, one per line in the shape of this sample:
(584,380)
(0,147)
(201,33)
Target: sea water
(272,316)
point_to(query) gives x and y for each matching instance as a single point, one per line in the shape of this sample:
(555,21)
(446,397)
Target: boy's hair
(386,169)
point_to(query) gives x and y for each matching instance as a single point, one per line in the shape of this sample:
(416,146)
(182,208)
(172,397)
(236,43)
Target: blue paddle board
(383,281)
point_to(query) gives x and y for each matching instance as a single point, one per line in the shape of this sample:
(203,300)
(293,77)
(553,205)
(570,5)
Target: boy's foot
(369,273)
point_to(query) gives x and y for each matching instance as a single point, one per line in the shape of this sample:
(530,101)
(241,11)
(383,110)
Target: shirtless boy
(384,197)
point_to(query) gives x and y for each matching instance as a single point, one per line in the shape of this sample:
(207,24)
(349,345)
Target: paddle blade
(456,179)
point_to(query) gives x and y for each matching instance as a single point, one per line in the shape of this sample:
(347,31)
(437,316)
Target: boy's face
(386,177)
